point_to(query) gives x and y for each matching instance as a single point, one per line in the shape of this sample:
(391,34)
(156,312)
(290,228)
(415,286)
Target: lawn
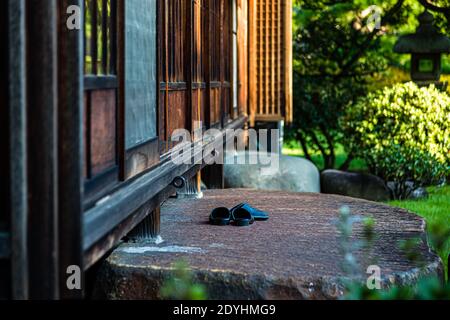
(292,148)
(435,209)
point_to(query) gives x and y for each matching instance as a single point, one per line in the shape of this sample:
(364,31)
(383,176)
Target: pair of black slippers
(242,215)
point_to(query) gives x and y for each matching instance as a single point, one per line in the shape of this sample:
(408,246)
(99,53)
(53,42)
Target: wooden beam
(42,148)
(70,148)
(103,218)
(17,149)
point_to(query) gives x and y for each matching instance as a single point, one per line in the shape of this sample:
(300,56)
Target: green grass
(435,210)
(292,148)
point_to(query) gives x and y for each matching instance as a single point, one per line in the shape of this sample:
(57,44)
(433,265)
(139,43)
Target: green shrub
(403,134)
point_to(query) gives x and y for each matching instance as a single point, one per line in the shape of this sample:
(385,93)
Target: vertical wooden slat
(167,74)
(42,149)
(267,56)
(243,56)
(94,36)
(172,41)
(189,54)
(18,149)
(85,9)
(288,61)
(206,63)
(273,64)
(70,150)
(221,60)
(104,36)
(120,61)
(262,63)
(279,52)
(113,38)
(252,78)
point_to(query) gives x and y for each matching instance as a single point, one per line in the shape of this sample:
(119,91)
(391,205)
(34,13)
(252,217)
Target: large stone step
(294,255)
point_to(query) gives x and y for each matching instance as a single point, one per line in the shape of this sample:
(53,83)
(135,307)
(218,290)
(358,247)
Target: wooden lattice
(270,58)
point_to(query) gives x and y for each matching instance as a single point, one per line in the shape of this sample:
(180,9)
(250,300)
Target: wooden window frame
(131,165)
(100,184)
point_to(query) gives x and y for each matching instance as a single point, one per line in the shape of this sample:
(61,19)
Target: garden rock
(356,185)
(419,193)
(411,192)
(293,174)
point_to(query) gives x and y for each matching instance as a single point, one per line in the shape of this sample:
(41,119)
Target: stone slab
(294,255)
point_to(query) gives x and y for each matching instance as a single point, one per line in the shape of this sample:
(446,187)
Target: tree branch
(304,145)
(370,37)
(434,8)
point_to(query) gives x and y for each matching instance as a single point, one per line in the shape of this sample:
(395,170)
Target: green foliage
(181,285)
(427,288)
(336,58)
(436,211)
(403,134)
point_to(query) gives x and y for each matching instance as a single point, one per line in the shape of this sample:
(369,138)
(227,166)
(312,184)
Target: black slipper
(242,217)
(257,214)
(220,216)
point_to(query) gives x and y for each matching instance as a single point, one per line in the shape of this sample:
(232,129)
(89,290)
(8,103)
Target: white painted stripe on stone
(168,249)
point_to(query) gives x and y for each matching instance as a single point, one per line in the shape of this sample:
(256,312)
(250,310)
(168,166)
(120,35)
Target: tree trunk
(347,163)
(304,145)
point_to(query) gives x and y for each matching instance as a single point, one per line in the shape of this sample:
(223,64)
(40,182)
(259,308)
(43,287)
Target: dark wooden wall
(70,130)
(195,65)
(194,57)
(3,115)
(4,167)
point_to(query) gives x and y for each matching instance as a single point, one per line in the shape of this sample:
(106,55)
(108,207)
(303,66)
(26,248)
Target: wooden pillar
(243,56)
(17,149)
(42,148)
(5,246)
(213,176)
(252,73)
(70,148)
(189,54)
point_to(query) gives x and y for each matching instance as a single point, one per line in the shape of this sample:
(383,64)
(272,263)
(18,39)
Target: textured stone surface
(294,255)
(293,174)
(357,185)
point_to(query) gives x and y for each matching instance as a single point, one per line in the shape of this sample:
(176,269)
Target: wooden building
(86,117)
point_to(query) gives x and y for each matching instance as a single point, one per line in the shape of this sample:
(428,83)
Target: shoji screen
(140,71)
(140,86)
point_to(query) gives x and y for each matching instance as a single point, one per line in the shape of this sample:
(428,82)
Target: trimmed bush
(403,133)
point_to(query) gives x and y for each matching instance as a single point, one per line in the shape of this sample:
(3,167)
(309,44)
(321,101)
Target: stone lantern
(426,47)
